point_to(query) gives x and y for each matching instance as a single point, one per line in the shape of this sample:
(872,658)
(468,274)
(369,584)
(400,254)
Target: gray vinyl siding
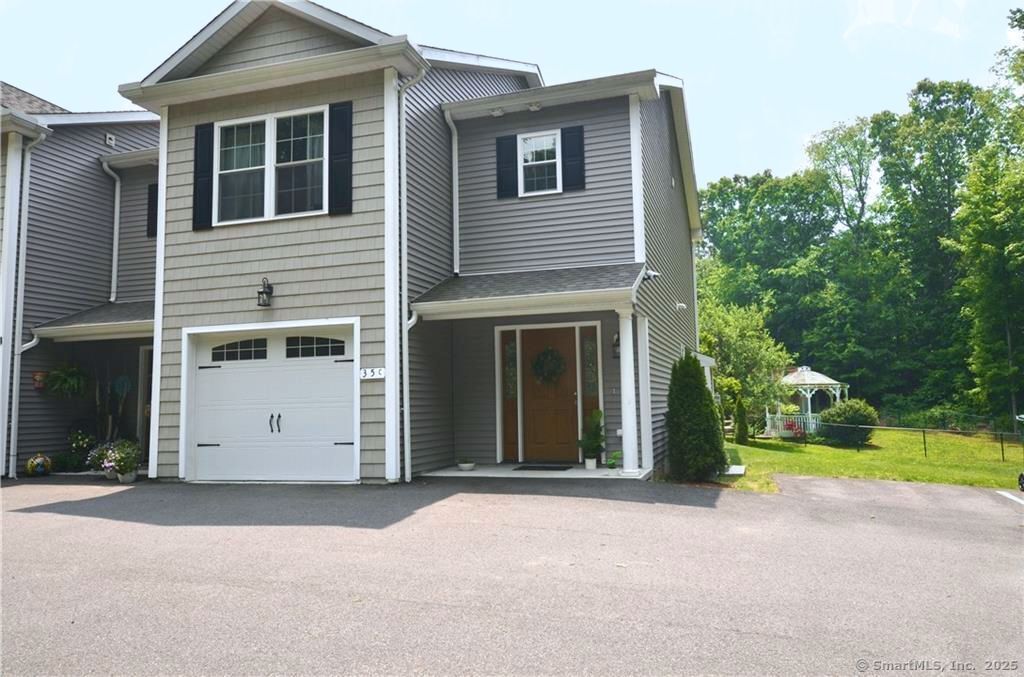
(473,374)
(670,252)
(136,266)
(569,229)
(68,256)
(429,188)
(274,37)
(321,266)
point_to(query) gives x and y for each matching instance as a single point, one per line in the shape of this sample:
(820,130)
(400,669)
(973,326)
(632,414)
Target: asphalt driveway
(517,576)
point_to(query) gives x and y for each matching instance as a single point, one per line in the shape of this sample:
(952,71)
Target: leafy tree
(742,433)
(696,449)
(846,155)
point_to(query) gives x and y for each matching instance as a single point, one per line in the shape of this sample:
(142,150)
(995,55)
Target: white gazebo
(805,382)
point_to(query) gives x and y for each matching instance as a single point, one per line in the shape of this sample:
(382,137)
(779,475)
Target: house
(77,266)
(373,257)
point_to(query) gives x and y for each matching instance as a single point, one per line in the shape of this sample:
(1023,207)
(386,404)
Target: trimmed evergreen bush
(742,432)
(848,413)
(696,449)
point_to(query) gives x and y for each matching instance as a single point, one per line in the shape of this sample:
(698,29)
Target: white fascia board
(530,304)
(106,118)
(705,360)
(97,332)
(448,58)
(197,41)
(133,158)
(686,168)
(640,83)
(22,123)
(395,53)
(333,21)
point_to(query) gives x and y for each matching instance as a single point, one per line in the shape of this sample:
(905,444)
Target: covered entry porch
(523,373)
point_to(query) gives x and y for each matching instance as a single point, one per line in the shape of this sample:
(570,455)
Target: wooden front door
(549,408)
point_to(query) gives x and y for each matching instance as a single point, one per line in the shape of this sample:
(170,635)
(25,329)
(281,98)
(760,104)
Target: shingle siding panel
(590,226)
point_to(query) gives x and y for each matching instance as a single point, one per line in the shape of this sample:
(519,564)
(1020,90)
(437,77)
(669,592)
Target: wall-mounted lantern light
(264,293)
(615,345)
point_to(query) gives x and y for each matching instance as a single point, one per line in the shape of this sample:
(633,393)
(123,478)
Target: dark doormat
(541,466)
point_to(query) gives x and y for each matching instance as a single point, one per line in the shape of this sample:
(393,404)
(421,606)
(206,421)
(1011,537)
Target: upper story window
(540,163)
(251,183)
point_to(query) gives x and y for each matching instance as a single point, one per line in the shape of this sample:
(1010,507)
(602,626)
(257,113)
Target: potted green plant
(592,442)
(125,458)
(614,460)
(99,460)
(66,381)
(466,464)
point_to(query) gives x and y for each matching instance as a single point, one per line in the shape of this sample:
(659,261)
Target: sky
(761,77)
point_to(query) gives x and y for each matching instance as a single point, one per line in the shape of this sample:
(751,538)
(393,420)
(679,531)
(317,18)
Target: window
(272,166)
(249,349)
(313,346)
(540,163)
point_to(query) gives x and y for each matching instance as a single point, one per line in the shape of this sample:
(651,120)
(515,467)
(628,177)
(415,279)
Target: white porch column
(630,455)
(646,417)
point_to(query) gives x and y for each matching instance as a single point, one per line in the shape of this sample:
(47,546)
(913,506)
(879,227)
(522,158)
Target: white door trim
(189,337)
(519,328)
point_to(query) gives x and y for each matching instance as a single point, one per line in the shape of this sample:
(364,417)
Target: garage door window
(313,346)
(249,349)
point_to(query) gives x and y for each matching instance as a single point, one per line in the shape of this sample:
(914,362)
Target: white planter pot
(467,466)
(786,433)
(590,463)
(127,478)
(110,474)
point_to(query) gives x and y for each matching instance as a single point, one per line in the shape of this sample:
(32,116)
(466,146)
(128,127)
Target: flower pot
(110,474)
(590,463)
(126,478)
(467,466)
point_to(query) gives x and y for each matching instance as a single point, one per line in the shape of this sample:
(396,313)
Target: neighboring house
(76,276)
(453,260)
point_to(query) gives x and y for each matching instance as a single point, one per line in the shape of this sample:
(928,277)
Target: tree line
(894,261)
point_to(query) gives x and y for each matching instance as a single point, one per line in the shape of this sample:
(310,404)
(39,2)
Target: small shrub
(742,431)
(849,413)
(69,461)
(696,447)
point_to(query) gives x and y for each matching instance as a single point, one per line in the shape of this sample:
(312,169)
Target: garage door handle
(279,423)
(271,423)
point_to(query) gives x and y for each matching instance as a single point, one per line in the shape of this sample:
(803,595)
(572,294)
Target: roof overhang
(682,130)
(97,332)
(447,58)
(397,53)
(147,157)
(645,84)
(22,123)
(531,304)
(104,118)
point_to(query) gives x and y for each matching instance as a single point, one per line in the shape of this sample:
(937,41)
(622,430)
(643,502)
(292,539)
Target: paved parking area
(506,576)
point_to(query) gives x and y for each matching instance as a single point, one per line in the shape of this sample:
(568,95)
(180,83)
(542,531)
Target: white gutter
(19,320)
(117,228)
(403,226)
(455,190)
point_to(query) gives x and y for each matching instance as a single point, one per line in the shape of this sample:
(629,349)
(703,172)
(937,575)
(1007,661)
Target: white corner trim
(158,305)
(646,417)
(455,190)
(391,277)
(12,191)
(106,118)
(636,163)
(189,337)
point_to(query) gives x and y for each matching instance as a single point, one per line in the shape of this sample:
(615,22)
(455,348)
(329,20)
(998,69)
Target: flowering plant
(124,457)
(81,442)
(97,458)
(793,427)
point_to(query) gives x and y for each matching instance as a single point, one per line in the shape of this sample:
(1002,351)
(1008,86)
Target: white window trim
(269,165)
(557,133)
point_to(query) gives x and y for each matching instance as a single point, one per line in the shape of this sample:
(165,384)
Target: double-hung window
(271,166)
(540,163)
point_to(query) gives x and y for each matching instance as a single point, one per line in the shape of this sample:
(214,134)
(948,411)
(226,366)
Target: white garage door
(275,407)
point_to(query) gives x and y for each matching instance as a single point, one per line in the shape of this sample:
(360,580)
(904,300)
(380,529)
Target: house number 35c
(371,374)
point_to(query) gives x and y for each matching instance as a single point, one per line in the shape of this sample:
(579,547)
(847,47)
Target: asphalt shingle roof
(559,280)
(108,313)
(18,99)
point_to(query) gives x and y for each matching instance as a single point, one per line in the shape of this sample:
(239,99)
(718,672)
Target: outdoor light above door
(264,293)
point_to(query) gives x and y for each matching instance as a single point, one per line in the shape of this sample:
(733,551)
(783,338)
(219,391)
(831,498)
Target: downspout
(20,304)
(403,236)
(455,191)
(117,228)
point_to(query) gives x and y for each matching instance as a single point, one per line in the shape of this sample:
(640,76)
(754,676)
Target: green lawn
(891,455)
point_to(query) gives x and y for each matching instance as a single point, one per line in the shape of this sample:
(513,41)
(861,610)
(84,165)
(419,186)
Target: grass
(891,455)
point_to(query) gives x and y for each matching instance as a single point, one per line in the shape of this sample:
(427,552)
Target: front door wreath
(548,366)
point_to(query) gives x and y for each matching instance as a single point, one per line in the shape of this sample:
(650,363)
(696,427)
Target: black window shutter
(573,172)
(151,197)
(339,159)
(508,181)
(202,178)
